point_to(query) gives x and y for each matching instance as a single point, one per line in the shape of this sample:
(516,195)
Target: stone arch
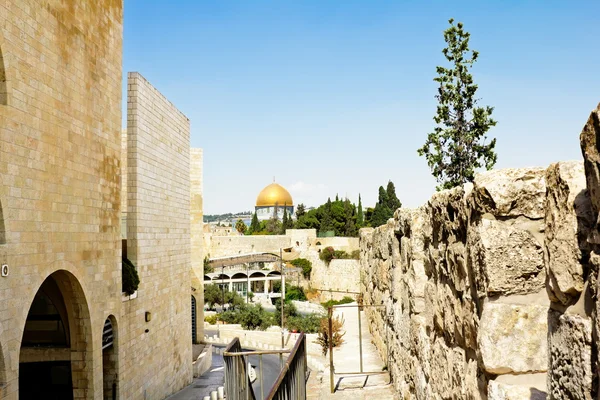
(66,367)
(110,358)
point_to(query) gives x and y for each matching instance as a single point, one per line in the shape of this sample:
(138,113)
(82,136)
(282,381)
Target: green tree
(457,146)
(254,225)
(300,211)
(350,218)
(240,226)
(382,211)
(360,221)
(287,221)
(213,295)
(393,201)
(207,267)
(326,219)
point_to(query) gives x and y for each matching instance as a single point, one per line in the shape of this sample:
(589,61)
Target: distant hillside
(224,217)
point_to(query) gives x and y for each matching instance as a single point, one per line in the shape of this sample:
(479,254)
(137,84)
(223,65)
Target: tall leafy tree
(326,218)
(254,225)
(287,222)
(300,210)
(350,219)
(382,211)
(392,199)
(240,226)
(359,214)
(458,145)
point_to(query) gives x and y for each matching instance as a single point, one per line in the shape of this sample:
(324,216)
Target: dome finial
(273,178)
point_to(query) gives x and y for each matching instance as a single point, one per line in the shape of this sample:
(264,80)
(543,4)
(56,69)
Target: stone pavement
(205,384)
(346,359)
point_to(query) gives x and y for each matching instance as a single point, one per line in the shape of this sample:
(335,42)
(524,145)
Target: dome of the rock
(272,195)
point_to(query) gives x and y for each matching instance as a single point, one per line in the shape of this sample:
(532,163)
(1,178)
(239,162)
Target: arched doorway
(194,314)
(55,356)
(110,370)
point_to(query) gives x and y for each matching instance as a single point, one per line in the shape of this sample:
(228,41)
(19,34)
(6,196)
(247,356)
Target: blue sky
(335,97)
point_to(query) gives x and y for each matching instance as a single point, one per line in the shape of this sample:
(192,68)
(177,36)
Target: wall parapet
(471,282)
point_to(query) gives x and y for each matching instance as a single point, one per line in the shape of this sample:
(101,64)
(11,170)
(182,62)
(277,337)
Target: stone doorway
(55,356)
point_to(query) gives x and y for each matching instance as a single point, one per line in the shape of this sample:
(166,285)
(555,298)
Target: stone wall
(481,288)
(158,244)
(197,228)
(60,150)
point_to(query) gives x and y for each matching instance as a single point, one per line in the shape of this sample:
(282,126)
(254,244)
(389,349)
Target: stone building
(66,330)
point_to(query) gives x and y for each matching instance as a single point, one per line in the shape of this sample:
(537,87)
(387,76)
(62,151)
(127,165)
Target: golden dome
(274,194)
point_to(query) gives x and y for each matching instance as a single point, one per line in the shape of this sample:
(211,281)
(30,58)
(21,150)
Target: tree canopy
(458,144)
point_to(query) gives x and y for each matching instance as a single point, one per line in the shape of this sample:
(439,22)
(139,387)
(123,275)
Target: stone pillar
(196,236)
(266,286)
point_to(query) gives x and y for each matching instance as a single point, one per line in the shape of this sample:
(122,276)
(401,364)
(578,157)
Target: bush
(294,293)
(331,303)
(211,319)
(229,317)
(327,254)
(304,323)
(303,263)
(254,317)
(336,333)
(355,255)
(340,255)
(130,279)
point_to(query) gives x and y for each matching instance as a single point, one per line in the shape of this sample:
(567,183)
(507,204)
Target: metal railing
(290,384)
(237,381)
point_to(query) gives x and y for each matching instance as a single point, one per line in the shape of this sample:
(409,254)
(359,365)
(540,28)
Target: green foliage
(331,303)
(360,220)
(457,146)
(130,279)
(254,317)
(213,295)
(393,200)
(294,293)
(240,226)
(304,323)
(355,255)
(327,254)
(211,319)
(289,309)
(254,225)
(303,263)
(336,337)
(300,210)
(387,203)
(287,221)
(207,267)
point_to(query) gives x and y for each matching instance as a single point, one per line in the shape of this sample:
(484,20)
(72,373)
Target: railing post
(330,342)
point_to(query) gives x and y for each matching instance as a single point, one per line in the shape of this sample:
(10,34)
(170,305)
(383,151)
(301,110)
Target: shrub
(303,263)
(130,279)
(304,323)
(294,293)
(254,317)
(327,254)
(355,255)
(331,303)
(336,333)
(211,319)
(229,317)
(340,255)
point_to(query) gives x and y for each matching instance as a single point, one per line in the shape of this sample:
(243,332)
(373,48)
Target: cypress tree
(359,215)
(254,225)
(393,202)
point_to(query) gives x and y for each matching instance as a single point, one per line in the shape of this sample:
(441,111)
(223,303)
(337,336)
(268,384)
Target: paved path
(205,384)
(346,359)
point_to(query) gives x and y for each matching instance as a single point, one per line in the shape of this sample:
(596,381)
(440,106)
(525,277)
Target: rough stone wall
(463,281)
(124,184)
(157,353)
(60,120)
(197,228)
(221,246)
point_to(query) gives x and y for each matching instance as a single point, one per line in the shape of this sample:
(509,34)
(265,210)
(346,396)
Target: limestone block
(591,155)
(511,192)
(506,258)
(569,218)
(570,343)
(503,391)
(512,338)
